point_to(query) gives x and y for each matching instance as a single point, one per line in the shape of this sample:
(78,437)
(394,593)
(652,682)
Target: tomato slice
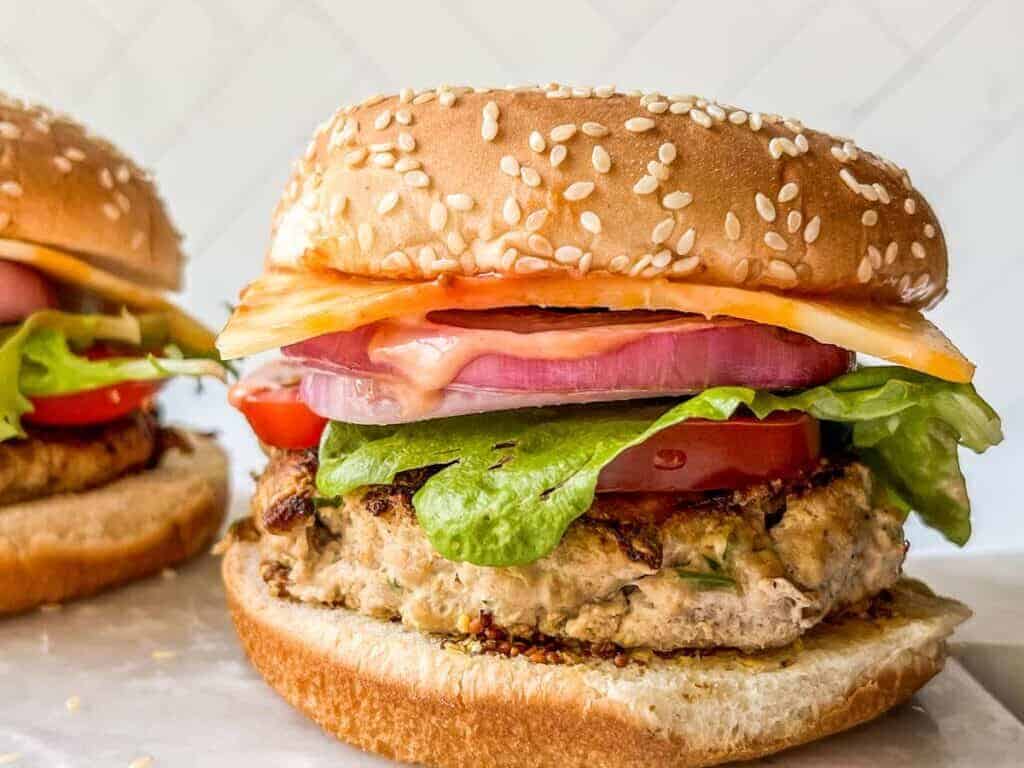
(702,455)
(94,406)
(270,402)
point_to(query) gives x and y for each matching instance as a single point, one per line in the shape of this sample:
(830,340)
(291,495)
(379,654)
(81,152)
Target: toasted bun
(396,692)
(532,180)
(62,186)
(73,545)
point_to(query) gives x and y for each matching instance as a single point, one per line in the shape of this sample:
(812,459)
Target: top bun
(64,187)
(534,179)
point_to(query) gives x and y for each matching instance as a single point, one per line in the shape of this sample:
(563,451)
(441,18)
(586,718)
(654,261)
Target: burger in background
(571,461)
(94,489)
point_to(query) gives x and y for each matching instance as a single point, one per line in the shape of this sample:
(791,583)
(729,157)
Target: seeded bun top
(530,180)
(62,186)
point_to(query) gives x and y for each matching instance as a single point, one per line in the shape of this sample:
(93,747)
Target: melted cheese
(285,306)
(66,268)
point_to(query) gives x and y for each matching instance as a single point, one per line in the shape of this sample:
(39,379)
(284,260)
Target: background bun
(402,694)
(69,546)
(531,180)
(62,186)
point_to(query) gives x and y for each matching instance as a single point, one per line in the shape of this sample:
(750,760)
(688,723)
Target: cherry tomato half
(270,402)
(94,406)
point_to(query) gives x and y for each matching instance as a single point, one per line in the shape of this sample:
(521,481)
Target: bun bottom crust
(406,696)
(73,545)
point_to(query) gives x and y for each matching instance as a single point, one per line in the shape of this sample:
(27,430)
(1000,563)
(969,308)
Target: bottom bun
(76,544)
(408,696)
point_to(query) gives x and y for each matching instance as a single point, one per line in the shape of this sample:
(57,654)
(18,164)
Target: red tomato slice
(94,406)
(270,402)
(702,455)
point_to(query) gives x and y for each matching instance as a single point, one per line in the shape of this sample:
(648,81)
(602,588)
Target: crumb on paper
(163,655)
(168,573)
(73,704)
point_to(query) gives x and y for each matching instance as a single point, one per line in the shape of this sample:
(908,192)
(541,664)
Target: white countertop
(156,671)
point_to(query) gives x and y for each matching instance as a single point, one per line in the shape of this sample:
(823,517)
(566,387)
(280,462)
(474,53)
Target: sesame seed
(373,100)
(781,271)
(732,226)
(910,206)
(839,154)
(383,120)
(138,238)
(801,143)
(11,188)
(529,264)
(446,99)
(755,121)
(540,244)
(424,98)
(582,92)
(667,153)
(775,241)
(111,211)
(536,142)
(578,190)
(793,221)
(403,117)
(438,216)
(405,95)
(929,231)
(741,270)
(510,211)
(74,154)
(460,201)
(489,128)
(141,762)
(891,251)
(661,259)
(812,230)
(849,180)
(600,159)
(646,185)
(383,159)
(677,200)
(869,193)
(875,257)
(536,220)
(122,201)
(716,112)
(604,91)
(382,146)
(364,234)
(639,124)
(559,93)
(764,206)
(529,176)
(686,240)
(917,250)
(425,258)
(355,156)
(62,163)
(618,263)
(922,282)
(445,265)
(869,218)
(585,263)
(557,155)
(680,107)
(662,230)
(657,107)
(491,111)
(657,170)
(405,164)
(122,174)
(904,284)
(591,222)
(455,243)
(594,130)
(864,270)
(700,118)
(417,179)
(788,192)
(568,254)
(738,117)
(641,265)
(882,192)
(686,266)
(563,132)
(509,166)
(406,142)
(396,261)
(73,704)
(387,203)
(9,130)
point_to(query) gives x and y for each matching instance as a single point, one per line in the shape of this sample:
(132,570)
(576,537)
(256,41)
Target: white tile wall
(219,95)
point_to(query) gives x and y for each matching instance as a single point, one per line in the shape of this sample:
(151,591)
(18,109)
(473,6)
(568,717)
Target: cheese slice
(66,268)
(285,306)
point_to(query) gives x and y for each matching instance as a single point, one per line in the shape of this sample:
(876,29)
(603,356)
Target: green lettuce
(510,483)
(38,358)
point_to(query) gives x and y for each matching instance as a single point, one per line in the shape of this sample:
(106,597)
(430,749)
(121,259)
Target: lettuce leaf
(38,358)
(510,483)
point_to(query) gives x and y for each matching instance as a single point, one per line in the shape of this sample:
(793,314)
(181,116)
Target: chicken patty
(63,460)
(749,569)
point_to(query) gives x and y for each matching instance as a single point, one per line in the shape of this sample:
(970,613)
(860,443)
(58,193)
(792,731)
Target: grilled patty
(64,460)
(748,569)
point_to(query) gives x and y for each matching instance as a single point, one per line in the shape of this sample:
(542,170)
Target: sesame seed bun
(64,187)
(69,546)
(530,181)
(402,694)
